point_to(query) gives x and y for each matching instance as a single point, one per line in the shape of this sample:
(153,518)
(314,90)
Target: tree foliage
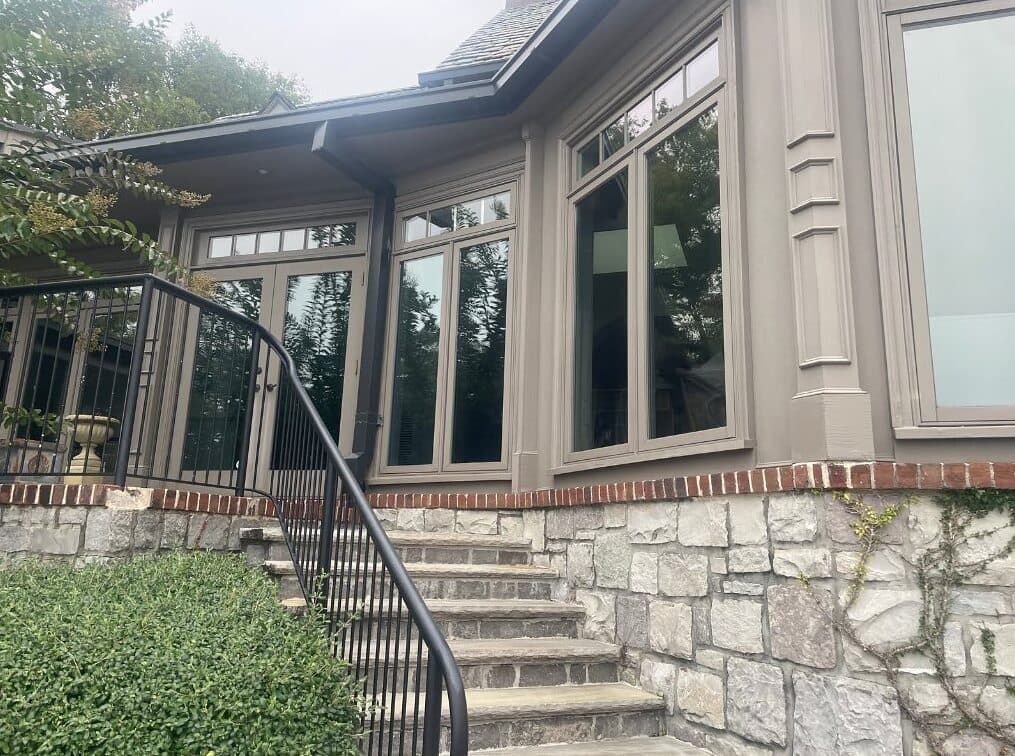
(85,69)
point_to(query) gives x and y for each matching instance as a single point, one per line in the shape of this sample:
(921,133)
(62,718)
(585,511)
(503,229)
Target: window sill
(400,478)
(930,432)
(629,458)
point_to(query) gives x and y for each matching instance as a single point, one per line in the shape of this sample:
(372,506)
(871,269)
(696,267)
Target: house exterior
(642,281)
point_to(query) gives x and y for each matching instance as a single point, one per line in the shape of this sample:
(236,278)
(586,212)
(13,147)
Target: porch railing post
(432,707)
(133,382)
(327,534)
(248,416)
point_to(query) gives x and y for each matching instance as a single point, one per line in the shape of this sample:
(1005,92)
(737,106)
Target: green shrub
(187,653)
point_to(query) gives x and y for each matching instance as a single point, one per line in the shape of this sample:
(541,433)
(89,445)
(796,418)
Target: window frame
(915,411)
(721,94)
(449,245)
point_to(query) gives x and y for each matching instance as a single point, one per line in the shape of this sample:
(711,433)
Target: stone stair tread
(532,650)
(413,538)
(425,570)
(491,704)
(487,608)
(640,746)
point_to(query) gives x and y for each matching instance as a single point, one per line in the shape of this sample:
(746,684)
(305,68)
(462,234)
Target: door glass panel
(45,383)
(479,353)
(417,342)
(218,392)
(962,103)
(600,332)
(315,332)
(687,389)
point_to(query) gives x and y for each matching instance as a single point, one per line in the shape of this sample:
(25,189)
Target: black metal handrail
(123,357)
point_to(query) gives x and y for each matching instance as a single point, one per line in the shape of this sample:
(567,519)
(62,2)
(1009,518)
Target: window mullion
(445,360)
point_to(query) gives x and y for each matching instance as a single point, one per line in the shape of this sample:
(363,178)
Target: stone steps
(664,746)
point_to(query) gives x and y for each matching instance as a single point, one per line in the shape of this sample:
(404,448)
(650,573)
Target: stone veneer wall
(705,597)
(97,523)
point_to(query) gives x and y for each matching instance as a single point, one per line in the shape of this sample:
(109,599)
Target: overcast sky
(338,47)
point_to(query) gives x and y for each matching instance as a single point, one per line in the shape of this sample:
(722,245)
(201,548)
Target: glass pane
(220,246)
(45,383)
(703,69)
(415,227)
(670,94)
(218,391)
(417,342)
(687,388)
(479,353)
(468,214)
(315,332)
(294,240)
(441,221)
(588,157)
(639,118)
(600,332)
(345,234)
(321,236)
(497,207)
(965,178)
(613,137)
(246,244)
(269,242)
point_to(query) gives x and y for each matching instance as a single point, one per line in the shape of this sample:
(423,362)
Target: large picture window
(649,271)
(953,105)
(448,353)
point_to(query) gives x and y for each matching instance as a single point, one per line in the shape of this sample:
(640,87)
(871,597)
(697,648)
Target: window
(449,352)
(953,103)
(650,273)
(285,240)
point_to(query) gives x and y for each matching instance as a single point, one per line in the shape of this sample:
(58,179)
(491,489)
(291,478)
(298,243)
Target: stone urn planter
(90,431)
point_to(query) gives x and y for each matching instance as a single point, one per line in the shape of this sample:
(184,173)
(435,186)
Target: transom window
(649,273)
(448,349)
(287,239)
(463,215)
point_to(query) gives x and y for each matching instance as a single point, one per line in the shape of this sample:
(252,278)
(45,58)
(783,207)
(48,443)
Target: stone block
(148,530)
(410,519)
(439,520)
(62,540)
(683,574)
(128,498)
(842,715)
(614,516)
(747,521)
(882,566)
(703,523)
(659,678)
(534,528)
(600,615)
(670,629)
(612,558)
(886,616)
(701,698)
(954,649)
(108,531)
(999,572)
(999,703)
(808,563)
(477,523)
(512,527)
(736,625)
(748,559)
(980,602)
(800,624)
(652,522)
(792,517)
(645,572)
(717,564)
(580,570)
(743,589)
(72,515)
(839,522)
(174,530)
(13,538)
(207,532)
(1004,648)
(706,657)
(756,701)
(632,621)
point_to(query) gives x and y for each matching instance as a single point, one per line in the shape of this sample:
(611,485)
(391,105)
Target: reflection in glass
(639,118)
(687,388)
(613,137)
(220,246)
(293,240)
(415,227)
(497,207)
(45,383)
(441,221)
(269,242)
(315,332)
(245,244)
(417,343)
(588,156)
(704,68)
(332,235)
(670,94)
(218,390)
(468,214)
(961,94)
(478,413)
(600,330)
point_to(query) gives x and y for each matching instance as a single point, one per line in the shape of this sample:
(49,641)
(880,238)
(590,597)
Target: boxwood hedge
(185,653)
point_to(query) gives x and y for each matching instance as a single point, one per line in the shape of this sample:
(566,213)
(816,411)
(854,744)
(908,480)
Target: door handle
(270,386)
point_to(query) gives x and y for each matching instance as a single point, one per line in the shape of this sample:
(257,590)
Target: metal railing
(138,380)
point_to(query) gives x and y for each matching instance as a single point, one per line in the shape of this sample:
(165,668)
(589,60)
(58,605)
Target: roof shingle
(500,37)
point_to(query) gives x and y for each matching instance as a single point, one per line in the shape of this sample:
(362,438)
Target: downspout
(328,147)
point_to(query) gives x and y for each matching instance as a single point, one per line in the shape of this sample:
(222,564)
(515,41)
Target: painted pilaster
(830,412)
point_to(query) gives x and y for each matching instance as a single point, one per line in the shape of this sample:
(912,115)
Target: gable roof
(500,37)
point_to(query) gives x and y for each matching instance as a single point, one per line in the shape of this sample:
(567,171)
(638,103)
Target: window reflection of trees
(687,363)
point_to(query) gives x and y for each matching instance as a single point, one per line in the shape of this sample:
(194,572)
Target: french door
(315,308)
